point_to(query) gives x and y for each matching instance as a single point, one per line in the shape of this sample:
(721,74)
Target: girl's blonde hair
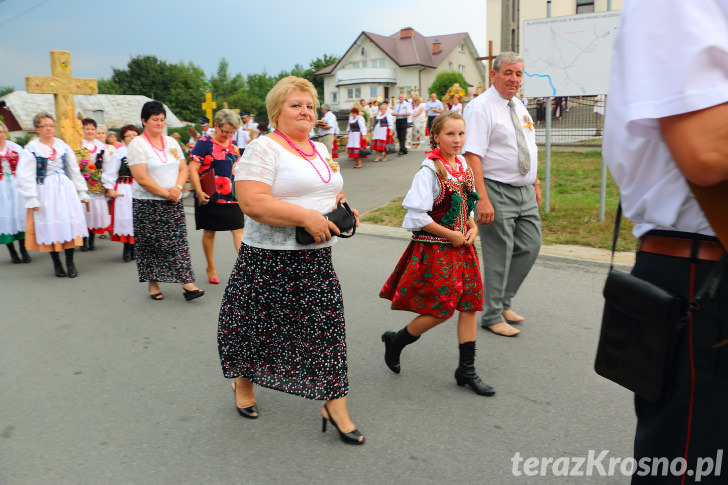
(435,129)
(277,96)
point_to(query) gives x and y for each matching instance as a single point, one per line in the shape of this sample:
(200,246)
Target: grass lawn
(574,215)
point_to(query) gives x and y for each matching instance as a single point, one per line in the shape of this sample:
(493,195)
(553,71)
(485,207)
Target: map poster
(569,56)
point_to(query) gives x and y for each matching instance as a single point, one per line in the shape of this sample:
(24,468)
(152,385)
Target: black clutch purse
(342,216)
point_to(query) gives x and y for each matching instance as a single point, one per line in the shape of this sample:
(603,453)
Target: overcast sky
(254,36)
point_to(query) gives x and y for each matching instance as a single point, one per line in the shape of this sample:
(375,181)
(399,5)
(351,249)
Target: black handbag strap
(709,286)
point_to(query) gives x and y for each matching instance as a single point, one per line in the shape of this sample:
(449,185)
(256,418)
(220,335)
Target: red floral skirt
(435,279)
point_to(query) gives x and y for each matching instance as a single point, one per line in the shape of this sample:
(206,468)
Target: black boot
(91,245)
(84,246)
(393,345)
(72,272)
(13,253)
(126,255)
(57,266)
(465,373)
(132,253)
(23,251)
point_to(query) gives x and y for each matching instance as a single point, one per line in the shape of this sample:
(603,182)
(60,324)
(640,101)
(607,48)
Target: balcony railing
(366,75)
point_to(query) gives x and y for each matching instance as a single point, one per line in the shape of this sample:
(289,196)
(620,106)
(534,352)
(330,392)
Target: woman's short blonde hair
(227,117)
(40,117)
(5,127)
(283,88)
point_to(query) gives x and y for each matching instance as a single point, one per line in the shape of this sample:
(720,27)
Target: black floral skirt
(160,241)
(281,323)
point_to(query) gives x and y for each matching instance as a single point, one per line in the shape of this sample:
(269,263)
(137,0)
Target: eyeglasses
(227,132)
(130,135)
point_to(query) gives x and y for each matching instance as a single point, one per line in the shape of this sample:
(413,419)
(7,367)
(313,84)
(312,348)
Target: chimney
(406,33)
(436,46)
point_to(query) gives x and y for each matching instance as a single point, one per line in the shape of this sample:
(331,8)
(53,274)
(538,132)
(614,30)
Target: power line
(23,13)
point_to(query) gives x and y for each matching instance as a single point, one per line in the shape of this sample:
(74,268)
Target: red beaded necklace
(306,155)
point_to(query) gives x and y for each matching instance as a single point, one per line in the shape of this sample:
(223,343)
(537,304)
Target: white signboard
(568,56)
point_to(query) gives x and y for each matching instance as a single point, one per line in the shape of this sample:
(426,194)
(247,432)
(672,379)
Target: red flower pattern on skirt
(224,186)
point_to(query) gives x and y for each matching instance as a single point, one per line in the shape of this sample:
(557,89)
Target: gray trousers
(510,245)
(328,140)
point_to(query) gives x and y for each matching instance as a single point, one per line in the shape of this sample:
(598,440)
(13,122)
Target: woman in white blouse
(281,321)
(160,231)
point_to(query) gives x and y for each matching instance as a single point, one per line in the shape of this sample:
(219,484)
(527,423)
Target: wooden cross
(209,105)
(225,106)
(62,86)
(490,57)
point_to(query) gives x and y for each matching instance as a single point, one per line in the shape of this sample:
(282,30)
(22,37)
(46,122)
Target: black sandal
(192,294)
(157,296)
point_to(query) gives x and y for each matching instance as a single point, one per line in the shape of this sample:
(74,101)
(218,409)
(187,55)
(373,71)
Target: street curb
(561,251)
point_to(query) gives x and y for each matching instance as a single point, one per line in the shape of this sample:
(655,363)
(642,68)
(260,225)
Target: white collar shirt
(653,191)
(403,108)
(490,135)
(329,120)
(432,105)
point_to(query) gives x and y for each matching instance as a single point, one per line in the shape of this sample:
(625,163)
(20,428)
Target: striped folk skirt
(160,241)
(281,323)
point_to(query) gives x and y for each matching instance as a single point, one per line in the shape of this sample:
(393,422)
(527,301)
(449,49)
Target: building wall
(396,79)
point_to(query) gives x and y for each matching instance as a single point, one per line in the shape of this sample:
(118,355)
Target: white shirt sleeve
(110,170)
(418,201)
(258,163)
(478,131)
(25,177)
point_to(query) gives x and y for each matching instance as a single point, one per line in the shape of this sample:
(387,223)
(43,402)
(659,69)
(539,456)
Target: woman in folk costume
(117,181)
(52,185)
(439,272)
(12,204)
(94,155)
(357,132)
(382,134)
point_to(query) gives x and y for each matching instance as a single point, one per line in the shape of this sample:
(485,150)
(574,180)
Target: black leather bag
(342,216)
(640,327)
(365,152)
(641,324)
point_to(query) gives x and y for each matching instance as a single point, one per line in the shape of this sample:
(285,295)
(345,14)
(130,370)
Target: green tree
(445,80)
(6,90)
(180,86)
(226,88)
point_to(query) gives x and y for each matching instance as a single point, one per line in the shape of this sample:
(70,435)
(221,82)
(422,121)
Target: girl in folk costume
(439,272)
(357,132)
(94,155)
(52,185)
(118,181)
(12,204)
(382,134)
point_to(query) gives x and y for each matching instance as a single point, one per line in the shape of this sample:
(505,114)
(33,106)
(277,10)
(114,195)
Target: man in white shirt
(205,126)
(401,112)
(666,123)
(500,147)
(327,127)
(434,108)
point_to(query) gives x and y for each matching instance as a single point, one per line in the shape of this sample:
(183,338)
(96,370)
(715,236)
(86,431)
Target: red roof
(409,51)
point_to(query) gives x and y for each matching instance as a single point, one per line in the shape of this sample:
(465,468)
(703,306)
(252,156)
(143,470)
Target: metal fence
(574,120)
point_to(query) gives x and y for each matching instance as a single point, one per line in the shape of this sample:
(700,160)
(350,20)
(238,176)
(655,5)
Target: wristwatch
(180,187)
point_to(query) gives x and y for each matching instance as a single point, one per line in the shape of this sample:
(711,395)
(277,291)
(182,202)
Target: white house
(377,66)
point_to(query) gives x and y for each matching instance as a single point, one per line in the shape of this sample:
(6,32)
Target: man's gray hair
(506,58)
(227,117)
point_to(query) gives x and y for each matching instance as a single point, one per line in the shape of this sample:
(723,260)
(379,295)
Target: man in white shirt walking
(402,111)
(327,127)
(501,150)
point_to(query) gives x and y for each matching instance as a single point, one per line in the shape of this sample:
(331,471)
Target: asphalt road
(102,385)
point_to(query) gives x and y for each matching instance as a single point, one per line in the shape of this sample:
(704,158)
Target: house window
(461,69)
(353,93)
(449,66)
(334,97)
(357,64)
(584,6)
(373,91)
(461,46)
(381,63)
(363,63)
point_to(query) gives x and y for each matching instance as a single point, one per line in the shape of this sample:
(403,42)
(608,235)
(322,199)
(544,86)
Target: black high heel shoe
(246,412)
(351,438)
(192,294)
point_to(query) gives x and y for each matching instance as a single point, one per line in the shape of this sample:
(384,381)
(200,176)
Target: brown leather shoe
(504,329)
(512,317)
